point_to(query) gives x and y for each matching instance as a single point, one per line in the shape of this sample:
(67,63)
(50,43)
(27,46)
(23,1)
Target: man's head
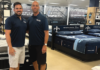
(18,8)
(35,7)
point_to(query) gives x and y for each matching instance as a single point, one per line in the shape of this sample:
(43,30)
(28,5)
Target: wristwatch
(45,44)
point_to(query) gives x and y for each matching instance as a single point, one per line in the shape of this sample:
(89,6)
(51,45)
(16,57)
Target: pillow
(94,31)
(65,33)
(69,32)
(78,32)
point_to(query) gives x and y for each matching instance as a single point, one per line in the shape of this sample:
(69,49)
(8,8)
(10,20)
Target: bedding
(3,42)
(94,31)
(95,34)
(69,32)
(81,43)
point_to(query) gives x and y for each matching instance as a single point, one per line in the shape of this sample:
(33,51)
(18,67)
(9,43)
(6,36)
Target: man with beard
(37,25)
(15,29)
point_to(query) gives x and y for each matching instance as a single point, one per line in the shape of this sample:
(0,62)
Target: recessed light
(31,0)
(54,3)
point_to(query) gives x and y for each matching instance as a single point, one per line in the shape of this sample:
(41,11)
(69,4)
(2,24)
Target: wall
(56,15)
(27,12)
(77,16)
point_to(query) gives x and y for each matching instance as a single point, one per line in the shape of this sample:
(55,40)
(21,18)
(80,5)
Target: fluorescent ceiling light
(82,0)
(73,5)
(33,1)
(54,3)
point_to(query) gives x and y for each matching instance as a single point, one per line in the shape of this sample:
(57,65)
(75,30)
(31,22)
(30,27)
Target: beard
(18,14)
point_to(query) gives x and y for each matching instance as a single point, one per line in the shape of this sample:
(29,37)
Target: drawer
(67,44)
(58,41)
(91,49)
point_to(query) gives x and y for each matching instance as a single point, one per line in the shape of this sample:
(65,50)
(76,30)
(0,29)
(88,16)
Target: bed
(93,30)
(71,40)
(50,38)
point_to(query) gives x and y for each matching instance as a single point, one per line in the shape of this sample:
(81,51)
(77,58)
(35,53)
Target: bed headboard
(65,28)
(56,29)
(88,27)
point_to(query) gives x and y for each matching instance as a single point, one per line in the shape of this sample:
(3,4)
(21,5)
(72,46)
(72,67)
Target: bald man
(38,37)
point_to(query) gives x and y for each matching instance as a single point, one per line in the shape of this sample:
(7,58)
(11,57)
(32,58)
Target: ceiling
(79,3)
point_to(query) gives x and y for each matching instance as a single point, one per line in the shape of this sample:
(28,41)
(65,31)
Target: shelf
(2,24)
(6,16)
(97,19)
(2,32)
(5,9)
(5,5)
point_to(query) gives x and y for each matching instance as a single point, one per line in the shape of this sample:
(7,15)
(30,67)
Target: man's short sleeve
(8,24)
(45,24)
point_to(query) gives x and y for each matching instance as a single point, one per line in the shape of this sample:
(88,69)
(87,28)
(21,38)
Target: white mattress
(3,42)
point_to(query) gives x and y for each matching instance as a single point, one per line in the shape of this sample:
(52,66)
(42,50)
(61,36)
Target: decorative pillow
(94,31)
(69,32)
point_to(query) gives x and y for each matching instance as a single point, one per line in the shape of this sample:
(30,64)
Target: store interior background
(65,12)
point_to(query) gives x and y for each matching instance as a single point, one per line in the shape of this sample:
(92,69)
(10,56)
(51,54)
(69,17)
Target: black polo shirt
(36,26)
(18,29)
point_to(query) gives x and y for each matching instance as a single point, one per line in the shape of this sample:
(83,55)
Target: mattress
(94,34)
(69,32)
(4,58)
(4,54)
(64,33)
(3,42)
(94,31)
(81,43)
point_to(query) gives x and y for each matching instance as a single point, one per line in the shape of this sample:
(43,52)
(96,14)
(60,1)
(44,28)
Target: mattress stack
(4,60)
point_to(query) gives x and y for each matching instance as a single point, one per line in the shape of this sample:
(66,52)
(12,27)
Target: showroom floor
(57,60)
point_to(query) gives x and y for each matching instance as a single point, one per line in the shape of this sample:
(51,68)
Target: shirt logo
(38,20)
(24,21)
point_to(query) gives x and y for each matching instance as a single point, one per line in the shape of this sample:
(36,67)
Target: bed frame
(83,57)
(49,43)
(88,27)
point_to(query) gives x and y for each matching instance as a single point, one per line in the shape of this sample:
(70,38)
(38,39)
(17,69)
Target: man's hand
(12,51)
(44,49)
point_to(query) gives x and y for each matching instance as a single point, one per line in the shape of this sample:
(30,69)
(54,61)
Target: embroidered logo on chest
(38,20)
(24,21)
